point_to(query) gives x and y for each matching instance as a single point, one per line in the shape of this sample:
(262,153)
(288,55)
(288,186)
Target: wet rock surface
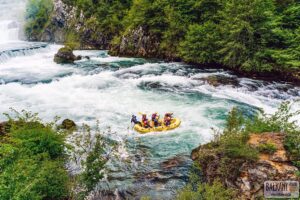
(65,55)
(170,169)
(63,17)
(109,195)
(139,43)
(250,177)
(68,124)
(220,80)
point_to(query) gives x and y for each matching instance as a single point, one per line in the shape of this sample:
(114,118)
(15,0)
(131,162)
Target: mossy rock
(68,124)
(65,55)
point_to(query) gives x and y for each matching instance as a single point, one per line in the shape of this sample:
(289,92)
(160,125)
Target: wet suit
(135,121)
(145,122)
(155,120)
(167,119)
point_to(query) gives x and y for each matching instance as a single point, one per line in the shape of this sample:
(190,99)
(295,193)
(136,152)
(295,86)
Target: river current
(111,89)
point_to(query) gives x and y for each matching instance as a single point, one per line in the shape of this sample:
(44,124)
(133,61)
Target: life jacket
(134,120)
(154,116)
(144,120)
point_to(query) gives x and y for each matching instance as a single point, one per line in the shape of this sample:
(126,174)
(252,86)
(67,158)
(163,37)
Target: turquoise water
(111,89)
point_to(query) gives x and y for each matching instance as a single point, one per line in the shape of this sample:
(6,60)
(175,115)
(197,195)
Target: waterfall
(11,20)
(11,31)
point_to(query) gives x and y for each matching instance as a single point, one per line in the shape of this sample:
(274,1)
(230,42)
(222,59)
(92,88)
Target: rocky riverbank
(247,177)
(68,25)
(78,26)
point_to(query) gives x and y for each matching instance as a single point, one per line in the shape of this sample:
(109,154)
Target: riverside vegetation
(256,37)
(233,149)
(33,156)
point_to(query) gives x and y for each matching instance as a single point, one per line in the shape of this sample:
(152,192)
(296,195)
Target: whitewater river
(111,89)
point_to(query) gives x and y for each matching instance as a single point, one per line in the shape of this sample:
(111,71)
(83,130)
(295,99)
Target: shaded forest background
(260,36)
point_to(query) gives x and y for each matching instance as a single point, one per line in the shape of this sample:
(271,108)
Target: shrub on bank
(230,149)
(38,14)
(32,161)
(33,158)
(268,148)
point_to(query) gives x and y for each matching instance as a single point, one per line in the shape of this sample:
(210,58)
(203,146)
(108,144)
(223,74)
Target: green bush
(94,152)
(38,14)
(72,40)
(238,128)
(268,148)
(260,36)
(32,161)
(281,121)
(200,44)
(230,149)
(206,191)
(233,141)
(33,156)
(197,189)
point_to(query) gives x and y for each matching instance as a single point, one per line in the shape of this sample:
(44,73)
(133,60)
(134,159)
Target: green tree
(245,29)
(201,44)
(32,161)
(38,14)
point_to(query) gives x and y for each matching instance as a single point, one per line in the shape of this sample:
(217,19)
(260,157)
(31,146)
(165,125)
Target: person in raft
(135,121)
(145,121)
(155,119)
(168,119)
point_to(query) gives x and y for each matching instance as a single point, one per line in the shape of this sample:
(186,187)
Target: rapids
(111,89)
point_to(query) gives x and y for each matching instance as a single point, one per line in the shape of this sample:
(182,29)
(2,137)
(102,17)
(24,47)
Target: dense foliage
(196,189)
(260,35)
(254,36)
(232,147)
(32,160)
(206,191)
(37,15)
(103,16)
(234,137)
(34,156)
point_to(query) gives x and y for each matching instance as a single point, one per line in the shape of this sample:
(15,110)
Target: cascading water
(11,31)
(111,89)
(11,20)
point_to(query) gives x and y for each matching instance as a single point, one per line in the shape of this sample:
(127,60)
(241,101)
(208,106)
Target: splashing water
(111,89)
(11,19)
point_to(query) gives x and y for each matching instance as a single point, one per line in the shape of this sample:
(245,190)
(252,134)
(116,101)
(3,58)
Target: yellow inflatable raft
(175,123)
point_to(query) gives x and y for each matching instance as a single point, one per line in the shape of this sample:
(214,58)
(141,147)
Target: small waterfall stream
(12,42)
(11,20)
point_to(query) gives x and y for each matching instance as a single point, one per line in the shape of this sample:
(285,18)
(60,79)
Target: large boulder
(137,42)
(65,55)
(63,18)
(220,80)
(248,177)
(69,26)
(68,124)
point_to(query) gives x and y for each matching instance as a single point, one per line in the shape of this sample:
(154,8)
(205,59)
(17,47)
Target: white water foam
(95,89)
(11,19)
(112,99)
(9,31)
(32,67)
(111,95)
